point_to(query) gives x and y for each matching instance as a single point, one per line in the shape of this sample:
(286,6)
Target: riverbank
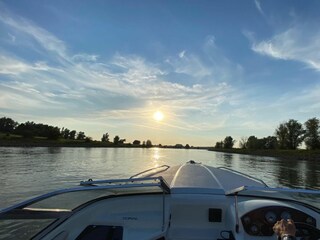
(299,154)
(41,142)
(38,142)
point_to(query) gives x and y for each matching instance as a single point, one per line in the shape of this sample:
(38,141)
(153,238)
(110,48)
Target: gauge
(285,215)
(271,217)
(254,229)
(246,220)
(309,220)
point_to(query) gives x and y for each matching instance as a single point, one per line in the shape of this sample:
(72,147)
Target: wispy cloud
(57,85)
(299,43)
(189,64)
(258,6)
(43,37)
(13,38)
(118,85)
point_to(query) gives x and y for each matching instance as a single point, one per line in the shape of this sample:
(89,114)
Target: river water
(26,172)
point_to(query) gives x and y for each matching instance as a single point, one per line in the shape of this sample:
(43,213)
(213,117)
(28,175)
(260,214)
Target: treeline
(118,141)
(31,130)
(288,135)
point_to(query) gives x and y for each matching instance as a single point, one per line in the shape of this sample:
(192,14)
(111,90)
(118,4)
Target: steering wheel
(307,231)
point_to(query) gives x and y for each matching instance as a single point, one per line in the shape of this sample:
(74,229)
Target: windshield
(309,197)
(28,218)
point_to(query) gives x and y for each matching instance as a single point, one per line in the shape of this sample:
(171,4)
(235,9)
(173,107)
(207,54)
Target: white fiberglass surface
(309,197)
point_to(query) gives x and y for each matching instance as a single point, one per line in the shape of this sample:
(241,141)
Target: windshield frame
(283,194)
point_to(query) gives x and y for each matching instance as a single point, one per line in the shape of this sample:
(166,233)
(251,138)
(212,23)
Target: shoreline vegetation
(284,145)
(284,154)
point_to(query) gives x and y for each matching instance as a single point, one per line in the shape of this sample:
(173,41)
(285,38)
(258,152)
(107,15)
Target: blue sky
(214,68)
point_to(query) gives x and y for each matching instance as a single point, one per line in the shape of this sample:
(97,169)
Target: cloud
(189,64)
(83,57)
(258,6)
(298,43)
(182,53)
(40,35)
(13,38)
(124,88)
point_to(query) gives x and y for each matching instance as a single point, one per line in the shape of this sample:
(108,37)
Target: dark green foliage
(72,135)
(295,133)
(290,134)
(228,142)
(252,142)
(88,139)
(7,125)
(81,136)
(105,137)
(31,129)
(187,146)
(269,142)
(136,142)
(312,134)
(282,135)
(219,144)
(65,133)
(243,143)
(116,140)
(148,143)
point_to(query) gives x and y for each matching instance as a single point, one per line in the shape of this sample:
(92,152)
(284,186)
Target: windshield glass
(71,200)
(310,197)
(28,218)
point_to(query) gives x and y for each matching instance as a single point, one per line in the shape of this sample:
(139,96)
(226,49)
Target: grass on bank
(287,154)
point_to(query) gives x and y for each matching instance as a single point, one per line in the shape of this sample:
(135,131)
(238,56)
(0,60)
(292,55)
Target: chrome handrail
(127,183)
(91,182)
(148,170)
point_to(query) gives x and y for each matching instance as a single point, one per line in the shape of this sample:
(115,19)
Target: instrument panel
(259,222)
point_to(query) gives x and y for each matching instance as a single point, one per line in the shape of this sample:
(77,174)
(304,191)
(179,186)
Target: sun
(158,116)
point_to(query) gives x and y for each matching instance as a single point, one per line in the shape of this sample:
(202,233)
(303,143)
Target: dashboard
(259,222)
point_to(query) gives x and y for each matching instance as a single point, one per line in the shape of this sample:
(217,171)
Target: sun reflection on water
(156,156)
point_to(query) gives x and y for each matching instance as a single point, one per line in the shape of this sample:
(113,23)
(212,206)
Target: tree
(27,129)
(7,125)
(136,142)
(81,136)
(295,133)
(72,135)
(105,137)
(187,146)
(121,141)
(52,132)
(116,140)
(65,133)
(270,142)
(148,143)
(312,134)
(228,142)
(282,135)
(290,134)
(219,144)
(252,142)
(243,143)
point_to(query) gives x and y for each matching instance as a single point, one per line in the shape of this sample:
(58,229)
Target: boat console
(192,201)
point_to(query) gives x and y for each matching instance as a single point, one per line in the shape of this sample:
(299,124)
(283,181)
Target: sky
(213,68)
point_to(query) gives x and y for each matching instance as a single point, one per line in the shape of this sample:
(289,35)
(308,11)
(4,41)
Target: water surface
(26,172)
